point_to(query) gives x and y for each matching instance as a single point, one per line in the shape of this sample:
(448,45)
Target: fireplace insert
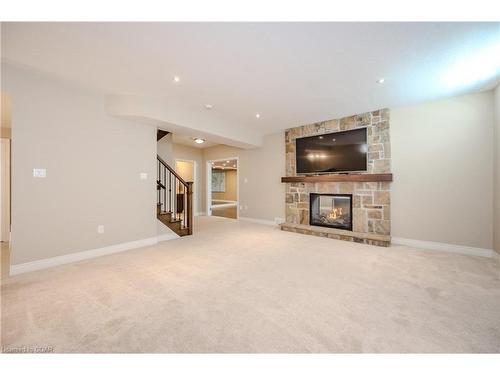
(331,210)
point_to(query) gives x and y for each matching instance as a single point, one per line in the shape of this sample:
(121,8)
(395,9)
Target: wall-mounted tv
(333,152)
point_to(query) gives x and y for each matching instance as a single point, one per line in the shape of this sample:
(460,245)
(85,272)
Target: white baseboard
(440,246)
(224,205)
(258,221)
(168,237)
(87,254)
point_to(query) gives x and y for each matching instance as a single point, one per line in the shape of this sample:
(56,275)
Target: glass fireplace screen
(331,210)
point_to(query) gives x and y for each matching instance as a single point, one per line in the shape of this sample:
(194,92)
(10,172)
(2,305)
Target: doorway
(223,188)
(187,170)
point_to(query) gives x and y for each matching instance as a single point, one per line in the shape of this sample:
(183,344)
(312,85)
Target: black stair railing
(175,196)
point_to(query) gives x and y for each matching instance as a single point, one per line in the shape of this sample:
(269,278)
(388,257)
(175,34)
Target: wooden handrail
(172,171)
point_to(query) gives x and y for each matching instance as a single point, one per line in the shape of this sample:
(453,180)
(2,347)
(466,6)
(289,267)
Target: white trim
(224,205)
(168,237)
(5,172)
(87,254)
(440,246)
(224,201)
(258,221)
(199,213)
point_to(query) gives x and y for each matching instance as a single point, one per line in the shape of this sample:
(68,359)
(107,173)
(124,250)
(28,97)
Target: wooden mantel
(361,177)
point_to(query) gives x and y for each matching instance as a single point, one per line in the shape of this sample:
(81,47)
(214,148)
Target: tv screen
(334,152)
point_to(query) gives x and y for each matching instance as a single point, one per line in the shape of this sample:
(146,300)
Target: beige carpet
(244,287)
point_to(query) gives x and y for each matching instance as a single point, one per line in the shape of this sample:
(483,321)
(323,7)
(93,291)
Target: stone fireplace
(331,210)
(369,192)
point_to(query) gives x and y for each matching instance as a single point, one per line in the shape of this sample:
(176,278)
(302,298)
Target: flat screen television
(343,151)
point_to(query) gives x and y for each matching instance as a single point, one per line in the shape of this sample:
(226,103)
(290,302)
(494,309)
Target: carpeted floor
(243,287)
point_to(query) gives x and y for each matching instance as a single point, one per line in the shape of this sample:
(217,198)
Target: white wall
(5,189)
(442,161)
(192,153)
(165,149)
(497,169)
(261,192)
(93,163)
(5,135)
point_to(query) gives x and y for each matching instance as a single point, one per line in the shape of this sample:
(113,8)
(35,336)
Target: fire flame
(335,213)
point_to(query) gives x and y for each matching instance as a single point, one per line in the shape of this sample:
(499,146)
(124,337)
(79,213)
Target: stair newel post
(190,207)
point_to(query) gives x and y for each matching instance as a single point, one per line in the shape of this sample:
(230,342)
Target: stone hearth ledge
(338,234)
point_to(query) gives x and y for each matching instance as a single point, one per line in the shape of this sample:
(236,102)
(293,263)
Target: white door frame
(195,183)
(209,184)
(5,190)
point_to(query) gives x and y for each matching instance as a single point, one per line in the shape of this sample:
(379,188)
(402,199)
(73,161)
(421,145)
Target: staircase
(175,200)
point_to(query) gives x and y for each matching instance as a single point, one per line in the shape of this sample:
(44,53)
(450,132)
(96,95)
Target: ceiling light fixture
(198,140)
(381,80)
(208,106)
(177,79)
(257,115)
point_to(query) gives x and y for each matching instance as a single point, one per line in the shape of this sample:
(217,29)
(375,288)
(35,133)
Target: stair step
(175,225)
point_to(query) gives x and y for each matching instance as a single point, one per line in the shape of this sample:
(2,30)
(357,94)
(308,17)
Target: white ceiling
(290,73)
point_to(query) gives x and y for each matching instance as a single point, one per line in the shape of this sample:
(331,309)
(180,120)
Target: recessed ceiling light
(381,80)
(198,140)
(177,79)
(227,161)
(208,106)
(257,115)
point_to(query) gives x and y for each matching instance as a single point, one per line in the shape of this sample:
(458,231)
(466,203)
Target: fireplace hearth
(331,210)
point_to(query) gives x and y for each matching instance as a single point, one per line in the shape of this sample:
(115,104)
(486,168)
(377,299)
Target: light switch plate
(144,176)
(39,172)
(100,229)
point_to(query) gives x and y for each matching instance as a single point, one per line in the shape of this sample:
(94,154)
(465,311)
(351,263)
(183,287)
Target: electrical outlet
(144,176)
(39,173)
(245,180)
(100,229)
(241,207)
